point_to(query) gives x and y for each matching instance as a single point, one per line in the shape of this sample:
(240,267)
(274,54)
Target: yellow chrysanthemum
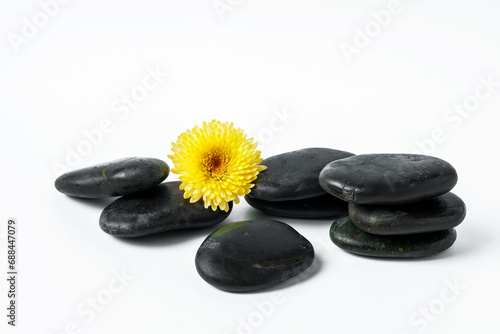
(216,162)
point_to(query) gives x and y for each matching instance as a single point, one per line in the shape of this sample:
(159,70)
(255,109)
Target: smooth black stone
(388,178)
(326,206)
(252,254)
(159,209)
(350,238)
(294,175)
(435,214)
(115,178)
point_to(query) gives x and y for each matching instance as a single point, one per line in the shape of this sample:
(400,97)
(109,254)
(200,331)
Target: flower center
(215,163)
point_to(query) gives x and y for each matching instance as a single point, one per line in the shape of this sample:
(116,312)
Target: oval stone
(252,254)
(116,178)
(435,214)
(350,238)
(293,175)
(159,209)
(388,178)
(326,206)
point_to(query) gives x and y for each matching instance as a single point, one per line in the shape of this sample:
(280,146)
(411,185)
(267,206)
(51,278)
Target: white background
(244,64)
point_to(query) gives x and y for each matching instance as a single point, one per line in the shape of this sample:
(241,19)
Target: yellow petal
(215,162)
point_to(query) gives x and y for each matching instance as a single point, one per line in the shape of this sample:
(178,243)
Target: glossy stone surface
(326,206)
(435,214)
(160,209)
(116,178)
(253,254)
(388,178)
(293,175)
(350,238)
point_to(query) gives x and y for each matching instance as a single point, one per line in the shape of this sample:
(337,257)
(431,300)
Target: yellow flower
(216,162)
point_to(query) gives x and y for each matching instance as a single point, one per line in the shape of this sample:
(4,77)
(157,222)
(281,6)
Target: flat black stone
(388,178)
(115,178)
(253,254)
(293,175)
(326,206)
(159,209)
(435,214)
(350,238)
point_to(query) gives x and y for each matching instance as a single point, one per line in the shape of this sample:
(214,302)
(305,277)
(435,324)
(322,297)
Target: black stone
(253,254)
(160,209)
(350,238)
(388,178)
(435,214)
(293,175)
(326,206)
(115,178)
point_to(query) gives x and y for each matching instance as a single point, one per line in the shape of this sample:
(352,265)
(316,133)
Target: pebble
(388,178)
(253,254)
(350,238)
(160,209)
(326,206)
(435,214)
(293,175)
(116,178)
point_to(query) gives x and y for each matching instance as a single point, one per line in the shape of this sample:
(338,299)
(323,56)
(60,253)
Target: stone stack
(147,206)
(289,186)
(400,205)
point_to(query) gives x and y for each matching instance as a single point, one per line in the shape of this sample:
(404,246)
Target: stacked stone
(147,206)
(241,256)
(400,205)
(390,205)
(289,186)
